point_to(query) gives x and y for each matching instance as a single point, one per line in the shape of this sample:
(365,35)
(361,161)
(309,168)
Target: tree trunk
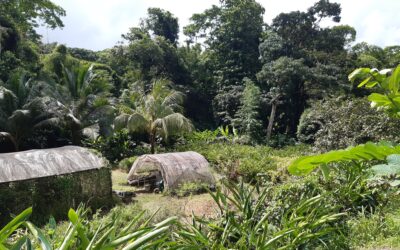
(271,120)
(152,142)
(76,136)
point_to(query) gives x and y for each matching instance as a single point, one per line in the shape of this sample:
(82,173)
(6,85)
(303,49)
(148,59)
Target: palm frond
(137,123)
(173,124)
(92,131)
(121,122)
(8,100)
(174,98)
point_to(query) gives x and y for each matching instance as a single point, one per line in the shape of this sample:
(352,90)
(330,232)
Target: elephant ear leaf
(364,152)
(391,168)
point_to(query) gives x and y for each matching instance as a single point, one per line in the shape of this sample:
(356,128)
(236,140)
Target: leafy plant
(243,224)
(158,114)
(388,83)
(81,235)
(390,170)
(190,188)
(364,152)
(337,123)
(247,118)
(119,145)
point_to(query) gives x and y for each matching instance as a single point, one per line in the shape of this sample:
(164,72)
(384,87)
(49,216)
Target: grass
(119,180)
(376,231)
(166,205)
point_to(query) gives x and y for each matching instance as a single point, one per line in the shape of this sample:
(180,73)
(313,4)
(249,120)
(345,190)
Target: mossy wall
(53,196)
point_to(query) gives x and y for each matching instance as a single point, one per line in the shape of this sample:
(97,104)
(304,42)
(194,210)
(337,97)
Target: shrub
(81,234)
(235,160)
(337,123)
(190,188)
(116,147)
(380,230)
(126,164)
(243,224)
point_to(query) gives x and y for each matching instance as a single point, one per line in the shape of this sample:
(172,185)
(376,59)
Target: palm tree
(85,94)
(23,110)
(159,114)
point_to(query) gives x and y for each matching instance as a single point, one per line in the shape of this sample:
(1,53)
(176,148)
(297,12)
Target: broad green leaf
(391,168)
(363,152)
(379,98)
(364,82)
(73,217)
(394,80)
(359,73)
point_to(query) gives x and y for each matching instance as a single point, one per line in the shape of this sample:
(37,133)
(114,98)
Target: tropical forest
(224,131)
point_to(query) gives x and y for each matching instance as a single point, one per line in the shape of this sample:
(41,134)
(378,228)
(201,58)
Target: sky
(98,24)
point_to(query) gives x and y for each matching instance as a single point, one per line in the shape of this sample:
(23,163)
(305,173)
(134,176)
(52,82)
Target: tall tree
(162,23)
(231,33)
(247,118)
(286,80)
(303,61)
(27,14)
(151,57)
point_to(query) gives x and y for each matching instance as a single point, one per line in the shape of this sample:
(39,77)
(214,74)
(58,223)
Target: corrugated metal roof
(176,168)
(38,163)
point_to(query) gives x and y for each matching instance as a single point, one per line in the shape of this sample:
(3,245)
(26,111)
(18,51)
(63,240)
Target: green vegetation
(265,104)
(156,113)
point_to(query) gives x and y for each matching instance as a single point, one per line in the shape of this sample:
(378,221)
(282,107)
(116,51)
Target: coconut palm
(159,114)
(23,109)
(85,92)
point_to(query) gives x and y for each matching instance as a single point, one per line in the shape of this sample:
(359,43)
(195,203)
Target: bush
(337,123)
(234,160)
(190,188)
(126,164)
(380,230)
(243,224)
(119,146)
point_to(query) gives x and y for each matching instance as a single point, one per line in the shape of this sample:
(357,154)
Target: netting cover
(38,163)
(175,168)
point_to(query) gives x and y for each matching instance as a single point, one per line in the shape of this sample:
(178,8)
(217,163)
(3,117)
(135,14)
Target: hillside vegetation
(298,122)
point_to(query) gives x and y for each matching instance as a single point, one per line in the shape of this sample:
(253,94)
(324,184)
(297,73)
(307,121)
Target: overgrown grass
(236,160)
(380,230)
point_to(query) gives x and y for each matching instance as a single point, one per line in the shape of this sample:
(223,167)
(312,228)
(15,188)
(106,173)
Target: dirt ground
(200,205)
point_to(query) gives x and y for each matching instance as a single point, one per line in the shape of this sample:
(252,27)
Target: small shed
(174,168)
(52,181)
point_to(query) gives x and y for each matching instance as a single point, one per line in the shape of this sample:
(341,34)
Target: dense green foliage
(234,70)
(242,84)
(338,123)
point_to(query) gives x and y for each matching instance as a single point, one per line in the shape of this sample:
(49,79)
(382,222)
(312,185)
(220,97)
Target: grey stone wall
(53,196)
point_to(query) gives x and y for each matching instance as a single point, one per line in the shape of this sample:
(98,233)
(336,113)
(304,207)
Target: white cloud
(98,24)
